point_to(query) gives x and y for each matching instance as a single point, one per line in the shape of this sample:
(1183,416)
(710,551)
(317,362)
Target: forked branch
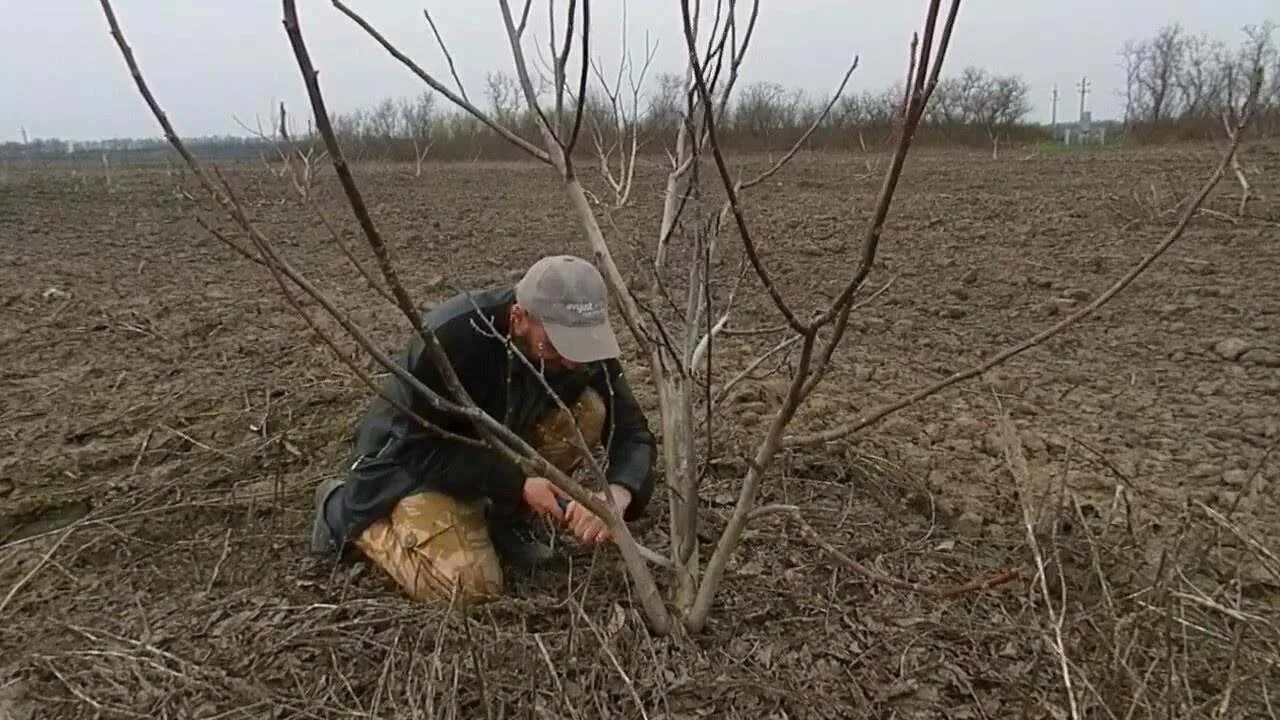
(922,84)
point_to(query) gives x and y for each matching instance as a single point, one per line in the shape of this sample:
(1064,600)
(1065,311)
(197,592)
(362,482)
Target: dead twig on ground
(991,582)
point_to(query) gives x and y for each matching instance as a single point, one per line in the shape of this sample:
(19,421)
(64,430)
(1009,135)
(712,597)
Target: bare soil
(166,416)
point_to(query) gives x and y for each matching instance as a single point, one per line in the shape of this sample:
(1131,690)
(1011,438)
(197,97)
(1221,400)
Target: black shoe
(515,544)
(321,535)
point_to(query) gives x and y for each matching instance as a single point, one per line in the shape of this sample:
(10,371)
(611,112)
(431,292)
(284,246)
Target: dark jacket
(395,457)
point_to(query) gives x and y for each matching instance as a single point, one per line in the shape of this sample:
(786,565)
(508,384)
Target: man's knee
(436,548)
(468,578)
(476,583)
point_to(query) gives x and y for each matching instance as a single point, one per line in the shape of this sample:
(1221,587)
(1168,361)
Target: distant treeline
(217,147)
(1180,86)
(973,108)
(1177,87)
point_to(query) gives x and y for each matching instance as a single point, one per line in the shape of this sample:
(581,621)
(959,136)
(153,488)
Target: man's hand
(586,526)
(540,495)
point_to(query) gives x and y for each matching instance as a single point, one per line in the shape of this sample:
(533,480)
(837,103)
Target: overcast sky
(210,61)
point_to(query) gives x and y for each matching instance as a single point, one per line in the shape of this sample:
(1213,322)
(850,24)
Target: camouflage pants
(433,545)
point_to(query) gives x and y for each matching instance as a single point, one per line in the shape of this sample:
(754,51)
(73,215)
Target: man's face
(536,344)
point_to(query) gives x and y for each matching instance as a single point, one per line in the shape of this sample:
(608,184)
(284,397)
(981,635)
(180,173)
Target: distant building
(1084,130)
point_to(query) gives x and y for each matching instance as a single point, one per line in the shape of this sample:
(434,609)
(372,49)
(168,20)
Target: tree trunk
(681,478)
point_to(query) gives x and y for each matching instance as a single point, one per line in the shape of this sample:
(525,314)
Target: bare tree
(385,121)
(1245,74)
(764,110)
(1156,73)
(302,160)
(680,345)
(615,120)
(949,105)
(997,102)
(665,102)
(1131,57)
(1200,77)
(418,118)
(503,93)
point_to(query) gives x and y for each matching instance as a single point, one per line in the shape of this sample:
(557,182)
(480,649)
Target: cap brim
(584,344)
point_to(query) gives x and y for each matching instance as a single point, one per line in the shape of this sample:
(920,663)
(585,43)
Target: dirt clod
(1261,357)
(969,524)
(1235,478)
(1230,348)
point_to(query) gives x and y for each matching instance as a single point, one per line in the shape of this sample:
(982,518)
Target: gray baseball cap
(568,296)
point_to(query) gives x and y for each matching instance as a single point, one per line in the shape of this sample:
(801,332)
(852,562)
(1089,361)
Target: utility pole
(1053,122)
(1083,87)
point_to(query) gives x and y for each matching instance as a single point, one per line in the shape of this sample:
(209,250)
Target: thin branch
(491,330)
(1245,189)
(324,220)
(582,81)
(826,111)
(342,245)
(447,55)
(746,372)
(577,197)
(278,266)
(702,350)
(828,351)
(358,207)
(436,85)
(229,242)
(738,215)
(745,332)
(909,86)
(1016,463)
(524,17)
(737,54)
(871,237)
(696,615)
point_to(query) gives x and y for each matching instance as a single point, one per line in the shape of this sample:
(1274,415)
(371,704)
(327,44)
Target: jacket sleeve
(459,470)
(630,443)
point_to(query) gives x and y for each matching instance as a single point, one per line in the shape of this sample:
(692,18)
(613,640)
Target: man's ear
(519,319)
